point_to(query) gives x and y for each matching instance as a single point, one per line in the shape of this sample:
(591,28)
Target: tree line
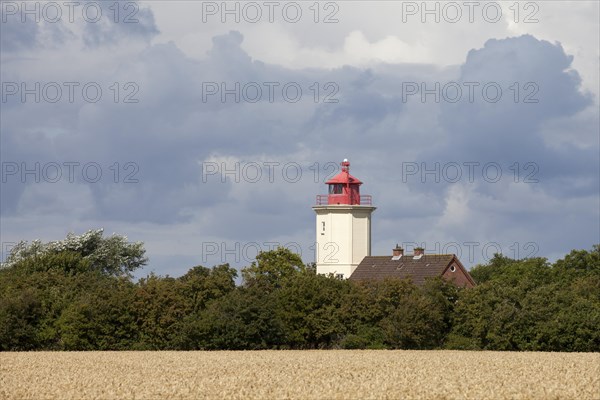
(79,294)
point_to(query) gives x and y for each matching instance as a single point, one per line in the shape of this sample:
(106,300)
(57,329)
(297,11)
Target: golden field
(319,374)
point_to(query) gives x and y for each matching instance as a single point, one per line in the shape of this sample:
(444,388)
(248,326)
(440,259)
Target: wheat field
(319,374)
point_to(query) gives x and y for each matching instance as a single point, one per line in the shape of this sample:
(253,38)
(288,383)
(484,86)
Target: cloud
(121,21)
(197,110)
(50,25)
(512,129)
(16,35)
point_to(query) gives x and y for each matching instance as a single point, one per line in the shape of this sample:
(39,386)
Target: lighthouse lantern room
(343,231)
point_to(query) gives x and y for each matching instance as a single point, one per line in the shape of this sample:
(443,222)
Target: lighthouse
(343,226)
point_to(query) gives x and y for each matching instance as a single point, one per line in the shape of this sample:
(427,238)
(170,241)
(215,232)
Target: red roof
(341,178)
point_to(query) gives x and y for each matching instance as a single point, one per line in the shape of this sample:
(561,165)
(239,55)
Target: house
(417,267)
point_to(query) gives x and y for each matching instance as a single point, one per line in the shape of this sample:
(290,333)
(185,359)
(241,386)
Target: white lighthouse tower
(343,225)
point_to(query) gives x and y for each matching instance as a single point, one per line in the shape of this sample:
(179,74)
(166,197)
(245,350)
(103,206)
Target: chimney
(398,251)
(419,251)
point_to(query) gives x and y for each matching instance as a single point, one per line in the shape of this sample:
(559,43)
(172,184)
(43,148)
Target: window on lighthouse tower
(336,188)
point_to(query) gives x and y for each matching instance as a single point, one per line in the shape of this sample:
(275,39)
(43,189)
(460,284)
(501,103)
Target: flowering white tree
(112,255)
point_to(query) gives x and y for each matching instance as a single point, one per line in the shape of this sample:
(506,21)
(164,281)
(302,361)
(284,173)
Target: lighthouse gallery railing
(365,200)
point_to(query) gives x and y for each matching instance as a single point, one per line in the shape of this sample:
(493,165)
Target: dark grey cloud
(175,127)
(511,130)
(542,73)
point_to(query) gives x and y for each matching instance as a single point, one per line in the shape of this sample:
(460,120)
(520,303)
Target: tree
(19,320)
(77,294)
(419,319)
(243,319)
(40,286)
(578,263)
(531,305)
(160,307)
(113,255)
(200,284)
(101,317)
(309,309)
(484,272)
(272,268)
(360,315)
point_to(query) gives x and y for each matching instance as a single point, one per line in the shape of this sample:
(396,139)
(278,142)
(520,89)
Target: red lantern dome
(344,189)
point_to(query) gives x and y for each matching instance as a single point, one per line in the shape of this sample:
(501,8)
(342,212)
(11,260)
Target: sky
(206,129)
